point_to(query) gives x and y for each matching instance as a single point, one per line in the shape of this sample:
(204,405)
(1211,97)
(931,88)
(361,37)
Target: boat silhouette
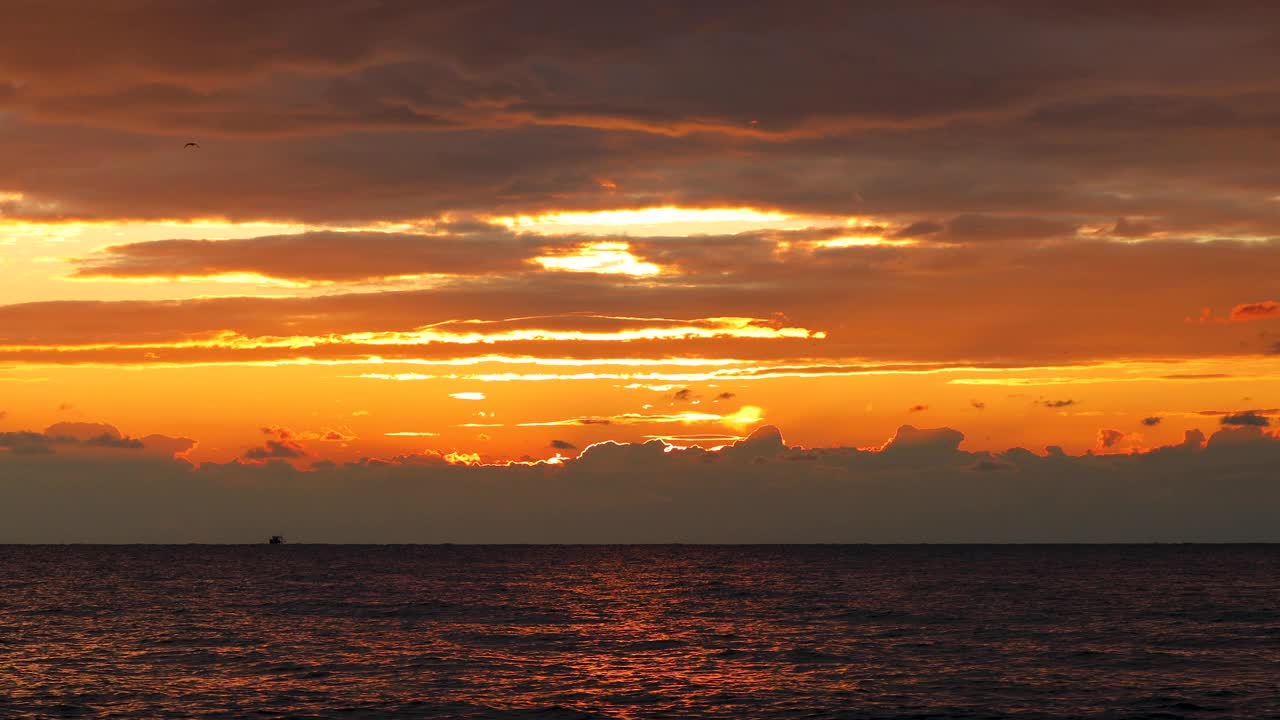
(276,540)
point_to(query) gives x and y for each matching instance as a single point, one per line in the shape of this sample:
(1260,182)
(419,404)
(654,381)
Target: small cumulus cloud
(977,405)
(683,395)
(1151,421)
(917,408)
(563,445)
(1107,438)
(724,396)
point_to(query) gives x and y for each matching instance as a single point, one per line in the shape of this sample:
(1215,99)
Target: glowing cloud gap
(645,216)
(612,258)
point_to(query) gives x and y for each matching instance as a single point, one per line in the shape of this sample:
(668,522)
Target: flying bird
(191,144)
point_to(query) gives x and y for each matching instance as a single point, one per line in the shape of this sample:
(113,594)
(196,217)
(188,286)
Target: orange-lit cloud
(1256,311)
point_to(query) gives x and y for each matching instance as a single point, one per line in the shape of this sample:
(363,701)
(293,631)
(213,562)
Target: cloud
(910,441)
(105,440)
(431,111)
(977,404)
(917,408)
(1127,228)
(1255,311)
(921,487)
(989,228)
(1108,438)
(319,256)
(723,396)
(1056,403)
(84,438)
(683,395)
(919,229)
(1151,421)
(82,431)
(656,319)
(562,445)
(1249,418)
(276,450)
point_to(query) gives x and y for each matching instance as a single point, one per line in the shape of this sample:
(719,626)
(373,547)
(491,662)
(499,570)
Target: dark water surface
(640,632)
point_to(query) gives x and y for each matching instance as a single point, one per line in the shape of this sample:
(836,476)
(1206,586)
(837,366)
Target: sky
(579,271)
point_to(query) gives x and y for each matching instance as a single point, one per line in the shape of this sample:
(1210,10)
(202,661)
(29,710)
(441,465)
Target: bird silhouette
(191,144)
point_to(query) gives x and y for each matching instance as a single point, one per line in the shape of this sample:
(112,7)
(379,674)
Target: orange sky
(426,232)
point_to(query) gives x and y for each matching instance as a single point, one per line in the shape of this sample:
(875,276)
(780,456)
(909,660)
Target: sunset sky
(436,236)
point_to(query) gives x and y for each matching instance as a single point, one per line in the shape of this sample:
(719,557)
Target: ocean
(560,632)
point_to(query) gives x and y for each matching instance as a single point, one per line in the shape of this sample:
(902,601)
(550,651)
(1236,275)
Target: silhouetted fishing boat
(276,540)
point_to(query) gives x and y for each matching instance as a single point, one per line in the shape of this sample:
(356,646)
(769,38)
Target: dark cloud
(83,431)
(26,441)
(106,440)
(919,228)
(987,228)
(917,408)
(1151,421)
(1056,403)
(977,404)
(724,396)
(878,109)
(1249,418)
(1108,438)
(320,256)
(563,445)
(276,450)
(683,395)
(78,438)
(910,441)
(920,487)
(1132,228)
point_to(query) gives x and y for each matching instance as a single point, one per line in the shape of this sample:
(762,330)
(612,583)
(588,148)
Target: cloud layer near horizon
(918,487)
